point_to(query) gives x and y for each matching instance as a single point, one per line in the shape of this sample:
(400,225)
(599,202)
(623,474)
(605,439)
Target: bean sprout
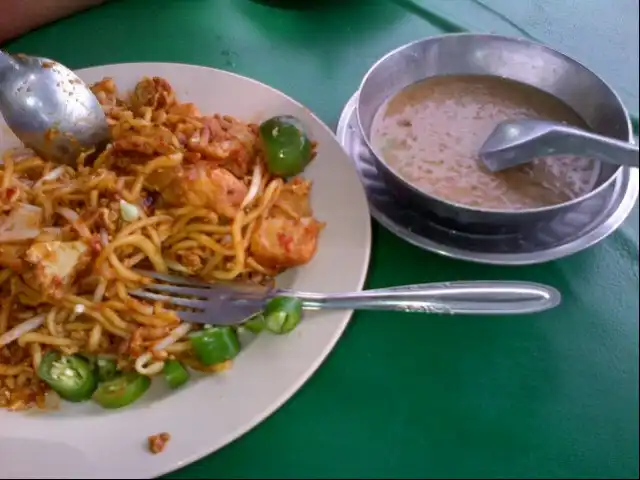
(52,175)
(142,365)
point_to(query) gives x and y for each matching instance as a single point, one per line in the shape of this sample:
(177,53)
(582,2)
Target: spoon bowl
(50,109)
(517,142)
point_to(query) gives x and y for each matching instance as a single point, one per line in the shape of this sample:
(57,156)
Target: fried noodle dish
(175,191)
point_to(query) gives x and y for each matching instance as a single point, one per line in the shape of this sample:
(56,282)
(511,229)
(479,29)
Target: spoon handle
(469,298)
(603,148)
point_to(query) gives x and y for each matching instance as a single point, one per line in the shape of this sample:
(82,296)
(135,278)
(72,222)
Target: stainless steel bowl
(483,54)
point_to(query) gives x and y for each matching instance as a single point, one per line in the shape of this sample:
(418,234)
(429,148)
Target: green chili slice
(175,374)
(107,369)
(282,314)
(122,390)
(255,324)
(215,345)
(72,377)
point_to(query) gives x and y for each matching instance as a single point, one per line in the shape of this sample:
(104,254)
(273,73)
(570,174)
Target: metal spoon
(49,108)
(516,142)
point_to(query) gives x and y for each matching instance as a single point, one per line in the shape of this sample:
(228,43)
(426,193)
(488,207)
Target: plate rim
(629,178)
(159,468)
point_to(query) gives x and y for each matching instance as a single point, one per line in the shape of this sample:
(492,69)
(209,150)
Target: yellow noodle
(211,264)
(7,174)
(141,243)
(212,244)
(124,272)
(140,224)
(185,218)
(4,275)
(5,311)
(93,198)
(75,326)
(238,245)
(94,337)
(120,332)
(12,370)
(162,162)
(36,354)
(44,339)
(185,245)
(28,164)
(50,322)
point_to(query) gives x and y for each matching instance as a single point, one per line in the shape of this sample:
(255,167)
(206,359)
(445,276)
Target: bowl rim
(514,39)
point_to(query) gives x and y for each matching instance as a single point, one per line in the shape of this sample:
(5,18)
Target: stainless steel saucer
(568,233)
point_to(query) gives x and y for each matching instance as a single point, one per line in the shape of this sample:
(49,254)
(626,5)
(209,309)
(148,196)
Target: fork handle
(467,298)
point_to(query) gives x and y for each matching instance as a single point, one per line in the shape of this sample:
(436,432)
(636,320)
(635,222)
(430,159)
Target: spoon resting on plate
(49,108)
(516,142)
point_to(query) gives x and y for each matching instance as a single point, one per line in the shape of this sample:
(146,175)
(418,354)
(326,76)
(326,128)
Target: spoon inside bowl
(49,108)
(516,142)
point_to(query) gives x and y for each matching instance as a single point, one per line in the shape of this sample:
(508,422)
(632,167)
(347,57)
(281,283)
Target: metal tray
(571,232)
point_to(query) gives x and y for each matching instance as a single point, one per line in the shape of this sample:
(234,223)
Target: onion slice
(20,153)
(256,180)
(68,214)
(73,218)
(18,235)
(104,237)
(19,330)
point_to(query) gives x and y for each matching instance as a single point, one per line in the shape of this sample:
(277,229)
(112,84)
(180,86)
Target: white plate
(86,441)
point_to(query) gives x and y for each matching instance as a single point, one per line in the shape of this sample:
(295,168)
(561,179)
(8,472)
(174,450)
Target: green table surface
(553,395)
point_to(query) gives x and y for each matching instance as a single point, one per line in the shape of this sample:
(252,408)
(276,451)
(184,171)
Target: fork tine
(238,288)
(174,279)
(178,290)
(182,302)
(219,303)
(193,317)
(228,317)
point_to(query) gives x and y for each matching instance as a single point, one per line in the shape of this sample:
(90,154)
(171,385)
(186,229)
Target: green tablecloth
(405,395)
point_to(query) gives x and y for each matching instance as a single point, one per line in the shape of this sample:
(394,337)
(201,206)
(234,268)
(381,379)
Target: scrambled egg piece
(57,263)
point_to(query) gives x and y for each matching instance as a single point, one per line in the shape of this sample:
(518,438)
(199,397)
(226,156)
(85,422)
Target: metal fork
(234,303)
